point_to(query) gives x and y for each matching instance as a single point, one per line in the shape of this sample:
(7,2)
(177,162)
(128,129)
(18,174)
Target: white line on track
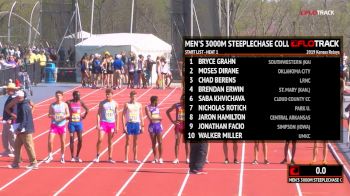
(240,190)
(184,183)
(139,167)
(300,193)
(148,155)
(347,173)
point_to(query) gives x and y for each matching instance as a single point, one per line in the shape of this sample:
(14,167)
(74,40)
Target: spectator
(25,130)
(31,57)
(149,67)
(42,62)
(8,138)
(118,67)
(11,61)
(3,63)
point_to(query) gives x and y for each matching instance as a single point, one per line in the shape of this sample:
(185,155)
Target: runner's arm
(116,118)
(141,118)
(85,108)
(169,111)
(98,116)
(10,106)
(148,113)
(123,118)
(51,113)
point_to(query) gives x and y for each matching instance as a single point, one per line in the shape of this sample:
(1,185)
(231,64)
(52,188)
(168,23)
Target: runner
(179,127)
(107,123)
(133,121)
(294,147)
(315,152)
(75,125)
(140,75)
(235,152)
(107,64)
(256,151)
(155,128)
(58,112)
(131,69)
(118,66)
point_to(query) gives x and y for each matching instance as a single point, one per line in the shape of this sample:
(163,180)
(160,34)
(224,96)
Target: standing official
(24,130)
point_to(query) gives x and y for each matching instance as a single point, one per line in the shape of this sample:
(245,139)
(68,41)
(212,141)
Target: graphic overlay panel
(315,174)
(262,88)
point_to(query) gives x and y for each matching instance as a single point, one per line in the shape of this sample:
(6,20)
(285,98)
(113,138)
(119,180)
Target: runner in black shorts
(294,146)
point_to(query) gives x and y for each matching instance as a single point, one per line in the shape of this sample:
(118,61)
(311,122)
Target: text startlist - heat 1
(262,88)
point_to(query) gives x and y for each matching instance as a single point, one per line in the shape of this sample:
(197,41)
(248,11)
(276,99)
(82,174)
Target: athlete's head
(154,100)
(132,95)
(182,99)
(76,95)
(109,93)
(59,95)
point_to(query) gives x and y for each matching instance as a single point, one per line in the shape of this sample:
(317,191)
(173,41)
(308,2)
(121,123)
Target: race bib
(75,117)
(181,115)
(133,117)
(58,116)
(109,115)
(155,115)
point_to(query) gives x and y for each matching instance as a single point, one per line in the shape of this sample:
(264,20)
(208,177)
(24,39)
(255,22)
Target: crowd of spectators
(134,71)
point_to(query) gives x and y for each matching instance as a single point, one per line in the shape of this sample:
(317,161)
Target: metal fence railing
(12,73)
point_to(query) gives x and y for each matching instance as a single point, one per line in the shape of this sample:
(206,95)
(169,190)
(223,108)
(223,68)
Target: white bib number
(75,117)
(109,115)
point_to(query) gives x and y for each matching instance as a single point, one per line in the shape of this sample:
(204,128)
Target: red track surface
(103,178)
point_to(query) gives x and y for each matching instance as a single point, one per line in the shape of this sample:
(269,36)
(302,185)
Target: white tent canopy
(115,43)
(80,35)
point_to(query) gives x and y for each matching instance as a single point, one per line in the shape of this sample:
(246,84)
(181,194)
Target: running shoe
(110,160)
(284,161)
(33,166)
(13,166)
(126,161)
(176,161)
(187,161)
(49,159)
(206,161)
(226,161)
(198,172)
(73,159)
(266,162)
(255,162)
(292,162)
(97,160)
(62,160)
(137,161)
(161,161)
(11,155)
(155,161)
(236,161)
(77,159)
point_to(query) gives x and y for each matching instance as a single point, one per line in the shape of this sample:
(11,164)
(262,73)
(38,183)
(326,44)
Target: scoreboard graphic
(262,88)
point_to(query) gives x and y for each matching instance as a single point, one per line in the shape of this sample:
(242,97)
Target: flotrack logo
(317,12)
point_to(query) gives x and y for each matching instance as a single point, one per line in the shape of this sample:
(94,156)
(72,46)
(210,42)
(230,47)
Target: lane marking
(240,190)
